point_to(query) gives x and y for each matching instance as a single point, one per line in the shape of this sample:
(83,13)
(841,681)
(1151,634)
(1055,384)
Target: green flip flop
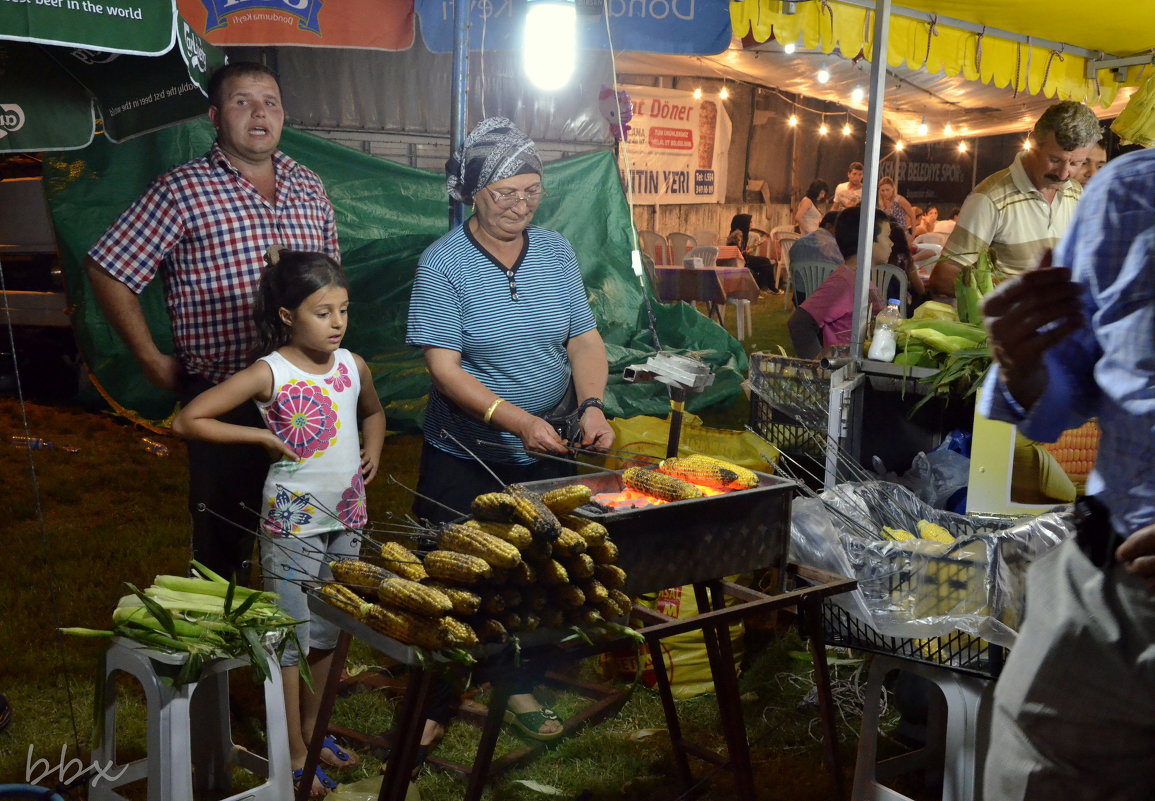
(528,724)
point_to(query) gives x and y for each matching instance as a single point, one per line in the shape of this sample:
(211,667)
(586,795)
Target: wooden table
(712,285)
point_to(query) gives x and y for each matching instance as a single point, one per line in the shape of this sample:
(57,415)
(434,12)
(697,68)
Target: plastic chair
(188,726)
(707,253)
(680,244)
(882,276)
(807,276)
(704,237)
(655,245)
(782,272)
(956,734)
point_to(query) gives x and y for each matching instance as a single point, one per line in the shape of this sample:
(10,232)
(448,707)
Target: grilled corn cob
(621,601)
(513,621)
(553,617)
(563,500)
(492,603)
(595,592)
(465,603)
(496,506)
(551,572)
(580,566)
(524,574)
(344,599)
(402,561)
(584,616)
(534,515)
(540,550)
(567,596)
(457,568)
(534,598)
(707,471)
(515,534)
(529,620)
(568,543)
(361,575)
(591,531)
(511,596)
(466,539)
(420,599)
(406,627)
(604,554)
(489,629)
(611,575)
(659,485)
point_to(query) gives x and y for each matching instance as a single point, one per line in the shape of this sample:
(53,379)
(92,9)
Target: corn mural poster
(678,147)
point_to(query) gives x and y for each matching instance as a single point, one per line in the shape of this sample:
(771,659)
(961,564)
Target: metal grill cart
(694,541)
(833,416)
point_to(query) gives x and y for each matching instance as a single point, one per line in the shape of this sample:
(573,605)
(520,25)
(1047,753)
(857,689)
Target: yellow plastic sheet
(649,435)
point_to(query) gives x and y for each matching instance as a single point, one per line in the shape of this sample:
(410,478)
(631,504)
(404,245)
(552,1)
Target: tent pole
(460,93)
(871,166)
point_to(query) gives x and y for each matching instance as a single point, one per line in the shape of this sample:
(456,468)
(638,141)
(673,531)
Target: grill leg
(673,725)
(324,712)
(826,709)
(720,652)
(407,730)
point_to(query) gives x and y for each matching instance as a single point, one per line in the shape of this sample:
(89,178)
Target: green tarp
(387,215)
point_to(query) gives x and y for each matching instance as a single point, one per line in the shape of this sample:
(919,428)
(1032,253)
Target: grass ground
(79,524)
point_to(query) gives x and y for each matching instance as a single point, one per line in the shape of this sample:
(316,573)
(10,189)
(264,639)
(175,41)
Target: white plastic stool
(958,735)
(742,312)
(190,741)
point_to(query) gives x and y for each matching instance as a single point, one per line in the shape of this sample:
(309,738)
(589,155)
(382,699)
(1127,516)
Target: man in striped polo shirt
(1022,211)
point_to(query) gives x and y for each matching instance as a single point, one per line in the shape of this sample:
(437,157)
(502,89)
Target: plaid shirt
(208,227)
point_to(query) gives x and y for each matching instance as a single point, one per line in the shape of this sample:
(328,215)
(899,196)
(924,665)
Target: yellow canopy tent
(1062,49)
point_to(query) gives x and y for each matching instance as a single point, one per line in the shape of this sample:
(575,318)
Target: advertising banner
(930,175)
(373,24)
(678,147)
(677,27)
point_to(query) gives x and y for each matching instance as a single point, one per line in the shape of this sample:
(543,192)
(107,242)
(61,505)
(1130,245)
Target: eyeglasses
(510,198)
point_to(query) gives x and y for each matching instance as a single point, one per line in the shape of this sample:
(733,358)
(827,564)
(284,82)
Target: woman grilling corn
(500,312)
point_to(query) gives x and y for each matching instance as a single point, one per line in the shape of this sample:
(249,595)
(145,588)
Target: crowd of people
(285,427)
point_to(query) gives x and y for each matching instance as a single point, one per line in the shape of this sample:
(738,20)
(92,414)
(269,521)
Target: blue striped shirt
(1107,370)
(462,301)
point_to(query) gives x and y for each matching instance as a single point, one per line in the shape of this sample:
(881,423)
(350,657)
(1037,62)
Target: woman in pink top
(824,318)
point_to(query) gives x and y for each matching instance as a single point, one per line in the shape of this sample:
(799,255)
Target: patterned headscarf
(495,150)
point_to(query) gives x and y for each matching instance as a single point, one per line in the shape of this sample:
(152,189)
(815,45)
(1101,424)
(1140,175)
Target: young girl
(310,392)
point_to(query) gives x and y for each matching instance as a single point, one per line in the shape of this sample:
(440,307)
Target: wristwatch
(587,403)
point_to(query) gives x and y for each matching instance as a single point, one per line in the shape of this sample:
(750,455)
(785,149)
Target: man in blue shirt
(1074,713)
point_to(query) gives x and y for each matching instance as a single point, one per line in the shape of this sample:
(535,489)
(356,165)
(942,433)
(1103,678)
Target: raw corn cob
(399,593)
(402,561)
(659,485)
(932,531)
(896,534)
(466,539)
(457,568)
(563,500)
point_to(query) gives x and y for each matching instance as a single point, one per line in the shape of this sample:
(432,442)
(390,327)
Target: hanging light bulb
(922,127)
(1027,143)
(846,130)
(823,75)
(823,130)
(789,48)
(549,43)
(899,145)
(724,93)
(948,130)
(698,93)
(962,147)
(793,121)
(857,94)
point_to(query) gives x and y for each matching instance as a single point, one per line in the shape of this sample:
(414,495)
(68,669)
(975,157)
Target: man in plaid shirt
(204,226)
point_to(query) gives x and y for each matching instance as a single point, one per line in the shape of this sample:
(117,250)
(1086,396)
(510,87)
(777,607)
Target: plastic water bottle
(156,448)
(884,342)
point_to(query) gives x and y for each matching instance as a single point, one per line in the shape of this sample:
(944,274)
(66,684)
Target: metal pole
(459,101)
(870,177)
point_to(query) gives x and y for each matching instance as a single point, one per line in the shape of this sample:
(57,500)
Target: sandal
(344,758)
(419,762)
(528,724)
(319,774)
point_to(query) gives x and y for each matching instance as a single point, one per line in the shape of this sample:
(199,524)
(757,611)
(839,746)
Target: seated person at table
(902,256)
(760,266)
(819,246)
(824,318)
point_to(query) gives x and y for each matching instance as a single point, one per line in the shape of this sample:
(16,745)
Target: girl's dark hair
(290,277)
(816,189)
(741,222)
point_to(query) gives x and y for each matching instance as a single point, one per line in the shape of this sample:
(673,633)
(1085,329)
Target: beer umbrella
(70,69)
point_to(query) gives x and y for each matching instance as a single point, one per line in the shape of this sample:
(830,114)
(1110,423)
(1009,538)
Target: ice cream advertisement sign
(678,147)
